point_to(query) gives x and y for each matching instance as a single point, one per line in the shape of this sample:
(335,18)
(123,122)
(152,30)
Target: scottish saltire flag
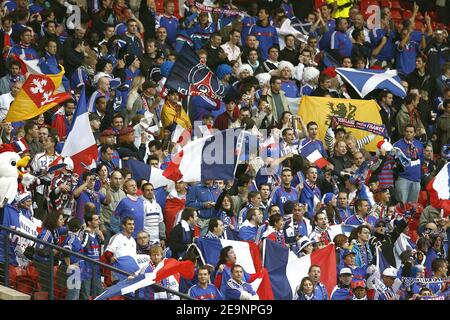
(439,190)
(80,144)
(247,255)
(165,268)
(130,264)
(313,155)
(140,170)
(211,157)
(190,76)
(365,81)
(286,270)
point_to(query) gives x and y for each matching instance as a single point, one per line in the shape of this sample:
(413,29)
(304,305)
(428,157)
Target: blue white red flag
(247,255)
(140,170)
(210,157)
(313,155)
(439,190)
(286,270)
(165,268)
(80,144)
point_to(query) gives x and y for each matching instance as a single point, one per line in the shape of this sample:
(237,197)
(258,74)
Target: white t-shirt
(153,217)
(122,246)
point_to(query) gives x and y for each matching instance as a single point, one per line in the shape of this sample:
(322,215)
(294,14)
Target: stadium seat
(407,14)
(396,15)
(418,26)
(364,4)
(396,5)
(433,15)
(385,3)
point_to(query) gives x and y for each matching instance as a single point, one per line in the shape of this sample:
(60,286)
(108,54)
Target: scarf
(411,150)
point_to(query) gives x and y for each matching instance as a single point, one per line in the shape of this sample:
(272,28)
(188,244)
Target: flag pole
(239,141)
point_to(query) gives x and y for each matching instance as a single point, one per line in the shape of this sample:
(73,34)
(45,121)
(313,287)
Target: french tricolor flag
(313,155)
(181,136)
(20,146)
(80,144)
(165,268)
(140,170)
(247,255)
(210,157)
(439,190)
(286,270)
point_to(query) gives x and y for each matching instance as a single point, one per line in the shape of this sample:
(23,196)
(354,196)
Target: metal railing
(6,252)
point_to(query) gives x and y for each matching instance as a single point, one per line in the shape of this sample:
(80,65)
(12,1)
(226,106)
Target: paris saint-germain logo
(203,81)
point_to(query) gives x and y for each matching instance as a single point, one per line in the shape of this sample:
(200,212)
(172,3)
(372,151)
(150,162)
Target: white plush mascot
(12,167)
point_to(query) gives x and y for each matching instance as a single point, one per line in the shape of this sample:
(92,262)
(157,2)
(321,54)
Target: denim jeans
(86,290)
(406,190)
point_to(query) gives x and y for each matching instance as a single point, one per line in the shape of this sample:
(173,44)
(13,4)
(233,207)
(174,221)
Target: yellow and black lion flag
(37,95)
(322,111)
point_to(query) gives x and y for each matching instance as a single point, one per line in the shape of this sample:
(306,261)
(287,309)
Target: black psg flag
(191,77)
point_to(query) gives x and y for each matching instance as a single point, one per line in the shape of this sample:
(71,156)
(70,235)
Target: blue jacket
(198,195)
(341,293)
(24,52)
(267,37)
(233,290)
(201,36)
(413,172)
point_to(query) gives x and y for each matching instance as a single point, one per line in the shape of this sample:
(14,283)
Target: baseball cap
(126,131)
(390,272)
(347,252)
(345,271)
(356,284)
(380,222)
(107,133)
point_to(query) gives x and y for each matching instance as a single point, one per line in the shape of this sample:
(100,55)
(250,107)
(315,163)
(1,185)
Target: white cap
(390,272)
(345,271)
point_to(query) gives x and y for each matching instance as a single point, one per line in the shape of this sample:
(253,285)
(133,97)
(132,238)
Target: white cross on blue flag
(366,81)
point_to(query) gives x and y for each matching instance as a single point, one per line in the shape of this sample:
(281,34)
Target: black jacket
(289,55)
(130,150)
(387,242)
(180,240)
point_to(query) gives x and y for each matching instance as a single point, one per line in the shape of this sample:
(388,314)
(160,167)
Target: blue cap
(347,252)
(223,70)
(327,198)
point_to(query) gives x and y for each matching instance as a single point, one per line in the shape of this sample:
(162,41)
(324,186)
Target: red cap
(126,131)
(356,284)
(330,71)
(107,133)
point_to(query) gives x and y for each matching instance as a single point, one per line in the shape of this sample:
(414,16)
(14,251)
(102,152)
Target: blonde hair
(137,83)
